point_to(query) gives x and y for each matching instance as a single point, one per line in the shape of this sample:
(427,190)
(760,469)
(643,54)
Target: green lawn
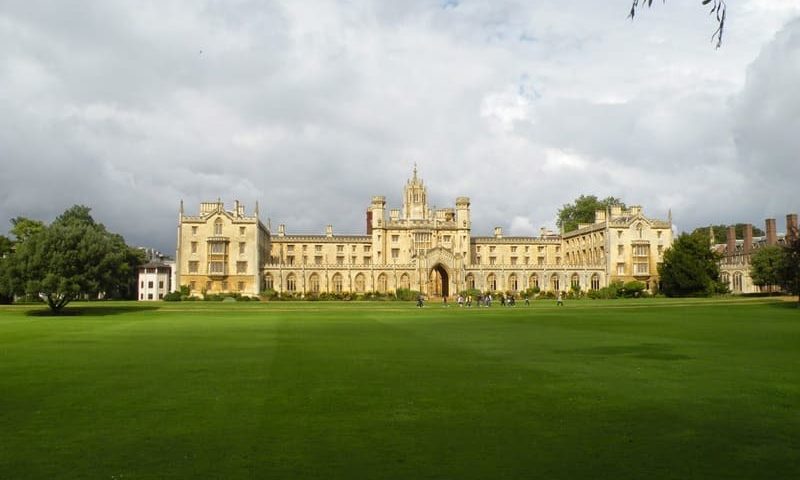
(604,389)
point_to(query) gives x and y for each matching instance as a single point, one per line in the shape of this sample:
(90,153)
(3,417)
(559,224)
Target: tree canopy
(789,270)
(765,266)
(23,228)
(582,210)
(690,268)
(72,257)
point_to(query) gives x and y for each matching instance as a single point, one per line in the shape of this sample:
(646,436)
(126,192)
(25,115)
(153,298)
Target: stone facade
(735,253)
(221,251)
(416,247)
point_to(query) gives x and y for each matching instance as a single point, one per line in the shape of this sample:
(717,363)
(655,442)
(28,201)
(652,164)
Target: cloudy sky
(312,107)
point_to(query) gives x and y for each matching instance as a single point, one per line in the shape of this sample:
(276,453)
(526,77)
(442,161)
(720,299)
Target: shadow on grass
(650,351)
(101,310)
(786,304)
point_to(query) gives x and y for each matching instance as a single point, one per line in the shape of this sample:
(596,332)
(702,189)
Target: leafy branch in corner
(718,9)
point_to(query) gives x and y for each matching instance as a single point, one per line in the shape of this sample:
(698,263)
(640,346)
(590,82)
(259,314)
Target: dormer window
(218,227)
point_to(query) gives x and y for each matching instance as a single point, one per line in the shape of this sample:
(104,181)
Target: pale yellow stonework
(221,251)
(414,247)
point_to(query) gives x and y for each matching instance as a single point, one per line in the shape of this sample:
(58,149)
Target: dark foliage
(690,268)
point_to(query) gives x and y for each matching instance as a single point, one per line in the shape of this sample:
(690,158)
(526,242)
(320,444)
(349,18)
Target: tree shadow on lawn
(99,310)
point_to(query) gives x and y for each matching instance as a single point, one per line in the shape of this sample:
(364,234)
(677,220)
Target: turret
(415,199)
(462,213)
(376,213)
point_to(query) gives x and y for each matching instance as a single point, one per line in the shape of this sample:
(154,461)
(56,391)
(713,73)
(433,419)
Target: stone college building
(414,247)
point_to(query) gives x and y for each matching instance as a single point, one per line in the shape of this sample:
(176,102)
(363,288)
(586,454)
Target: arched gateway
(438,264)
(439,281)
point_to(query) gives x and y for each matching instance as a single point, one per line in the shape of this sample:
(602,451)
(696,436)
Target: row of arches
(543,282)
(337,283)
(439,282)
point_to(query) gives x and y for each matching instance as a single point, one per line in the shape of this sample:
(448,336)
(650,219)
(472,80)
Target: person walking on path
(560,300)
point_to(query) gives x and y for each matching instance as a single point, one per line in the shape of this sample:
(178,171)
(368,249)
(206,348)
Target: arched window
(512,283)
(575,281)
(360,283)
(595,282)
(405,282)
(268,282)
(491,282)
(337,283)
(470,281)
(382,281)
(737,282)
(533,281)
(313,283)
(291,283)
(218,227)
(554,283)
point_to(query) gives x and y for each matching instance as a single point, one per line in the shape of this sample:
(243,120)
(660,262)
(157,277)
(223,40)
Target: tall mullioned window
(217,248)
(216,268)
(218,227)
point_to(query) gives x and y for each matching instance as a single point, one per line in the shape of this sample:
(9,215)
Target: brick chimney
(791,227)
(369,222)
(772,237)
(731,249)
(748,238)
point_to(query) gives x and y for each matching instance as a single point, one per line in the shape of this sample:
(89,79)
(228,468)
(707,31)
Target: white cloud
(313,107)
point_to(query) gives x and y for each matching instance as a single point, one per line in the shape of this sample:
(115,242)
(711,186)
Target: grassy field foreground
(614,389)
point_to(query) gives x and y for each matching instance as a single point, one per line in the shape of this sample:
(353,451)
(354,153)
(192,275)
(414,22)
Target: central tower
(415,199)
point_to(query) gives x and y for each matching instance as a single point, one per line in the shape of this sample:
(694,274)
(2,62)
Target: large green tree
(582,210)
(72,257)
(690,268)
(6,247)
(789,271)
(765,266)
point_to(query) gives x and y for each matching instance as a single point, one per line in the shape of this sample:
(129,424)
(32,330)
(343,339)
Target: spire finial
(415,171)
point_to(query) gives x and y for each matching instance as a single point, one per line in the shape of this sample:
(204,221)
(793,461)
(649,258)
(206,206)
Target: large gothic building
(414,247)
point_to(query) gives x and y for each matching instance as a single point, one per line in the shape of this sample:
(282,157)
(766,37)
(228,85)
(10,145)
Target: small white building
(156,279)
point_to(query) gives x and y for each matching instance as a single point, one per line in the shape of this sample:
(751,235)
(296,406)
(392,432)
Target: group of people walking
(486,300)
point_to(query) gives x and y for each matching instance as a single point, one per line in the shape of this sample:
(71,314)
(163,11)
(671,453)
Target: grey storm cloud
(311,108)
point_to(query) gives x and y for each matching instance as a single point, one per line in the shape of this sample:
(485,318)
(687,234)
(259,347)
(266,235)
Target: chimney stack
(281,230)
(731,249)
(498,232)
(772,237)
(748,238)
(329,231)
(791,227)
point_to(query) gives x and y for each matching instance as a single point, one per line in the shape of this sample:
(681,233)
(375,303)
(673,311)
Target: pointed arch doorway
(439,281)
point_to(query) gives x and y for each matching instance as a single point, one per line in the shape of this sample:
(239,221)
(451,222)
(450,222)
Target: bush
(406,294)
(269,294)
(632,289)
(173,297)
